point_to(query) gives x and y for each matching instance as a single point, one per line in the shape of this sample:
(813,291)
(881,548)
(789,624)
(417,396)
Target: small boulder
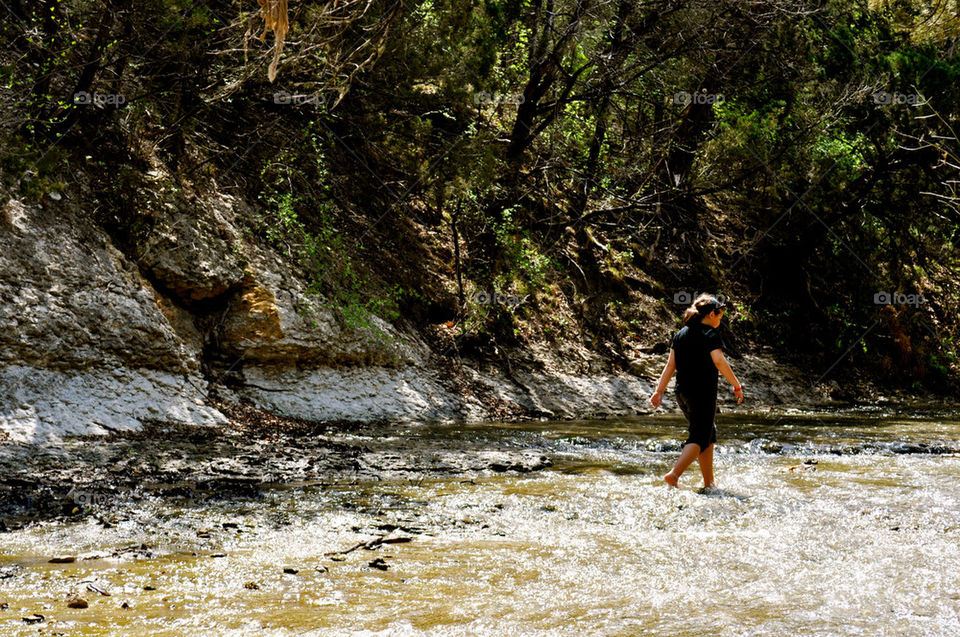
(75,601)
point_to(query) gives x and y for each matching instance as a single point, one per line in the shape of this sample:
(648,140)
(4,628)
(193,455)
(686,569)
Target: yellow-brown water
(838,533)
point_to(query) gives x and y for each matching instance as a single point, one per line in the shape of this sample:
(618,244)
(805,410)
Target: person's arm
(724,367)
(668,371)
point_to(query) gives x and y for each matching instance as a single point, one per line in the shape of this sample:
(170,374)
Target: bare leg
(706,465)
(687,456)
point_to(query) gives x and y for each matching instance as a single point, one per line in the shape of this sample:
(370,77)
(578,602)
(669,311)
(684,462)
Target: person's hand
(739,394)
(656,399)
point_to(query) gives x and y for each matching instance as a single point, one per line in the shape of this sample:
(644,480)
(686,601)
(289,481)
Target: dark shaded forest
(534,172)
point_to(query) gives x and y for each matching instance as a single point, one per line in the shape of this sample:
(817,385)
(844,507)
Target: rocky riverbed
(104,476)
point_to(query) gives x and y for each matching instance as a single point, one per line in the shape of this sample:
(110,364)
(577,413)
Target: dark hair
(701,306)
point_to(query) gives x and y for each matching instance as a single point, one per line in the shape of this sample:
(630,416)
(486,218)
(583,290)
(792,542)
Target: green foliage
(30,170)
(523,263)
(300,221)
(844,152)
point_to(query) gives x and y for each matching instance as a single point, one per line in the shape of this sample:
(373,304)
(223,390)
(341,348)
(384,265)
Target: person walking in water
(696,355)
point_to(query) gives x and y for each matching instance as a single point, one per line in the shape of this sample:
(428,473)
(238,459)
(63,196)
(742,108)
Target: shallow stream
(823,525)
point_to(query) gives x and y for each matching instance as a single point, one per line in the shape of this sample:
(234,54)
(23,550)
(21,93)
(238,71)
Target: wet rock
(148,587)
(125,605)
(36,618)
(841,450)
(65,559)
(501,461)
(766,445)
(661,446)
(504,466)
(291,571)
(907,447)
(239,487)
(94,587)
(379,564)
(93,555)
(75,601)
(806,465)
(135,551)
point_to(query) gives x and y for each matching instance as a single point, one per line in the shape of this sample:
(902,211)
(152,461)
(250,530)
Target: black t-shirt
(696,373)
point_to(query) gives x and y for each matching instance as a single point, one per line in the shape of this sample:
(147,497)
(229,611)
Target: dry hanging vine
(275,18)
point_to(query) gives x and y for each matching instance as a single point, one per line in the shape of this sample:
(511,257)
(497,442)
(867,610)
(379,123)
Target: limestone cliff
(95,338)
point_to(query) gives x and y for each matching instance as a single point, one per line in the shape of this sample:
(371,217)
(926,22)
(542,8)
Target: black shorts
(700,412)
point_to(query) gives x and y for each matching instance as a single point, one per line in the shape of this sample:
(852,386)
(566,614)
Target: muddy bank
(105,477)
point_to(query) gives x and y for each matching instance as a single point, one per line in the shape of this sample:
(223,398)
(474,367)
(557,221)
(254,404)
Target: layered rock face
(87,345)
(94,340)
(97,337)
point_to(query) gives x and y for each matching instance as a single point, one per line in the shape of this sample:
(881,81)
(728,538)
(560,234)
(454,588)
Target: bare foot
(671,480)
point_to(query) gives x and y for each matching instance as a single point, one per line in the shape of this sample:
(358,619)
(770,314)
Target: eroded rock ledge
(97,338)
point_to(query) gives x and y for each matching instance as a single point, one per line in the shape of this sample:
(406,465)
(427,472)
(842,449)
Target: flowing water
(824,525)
